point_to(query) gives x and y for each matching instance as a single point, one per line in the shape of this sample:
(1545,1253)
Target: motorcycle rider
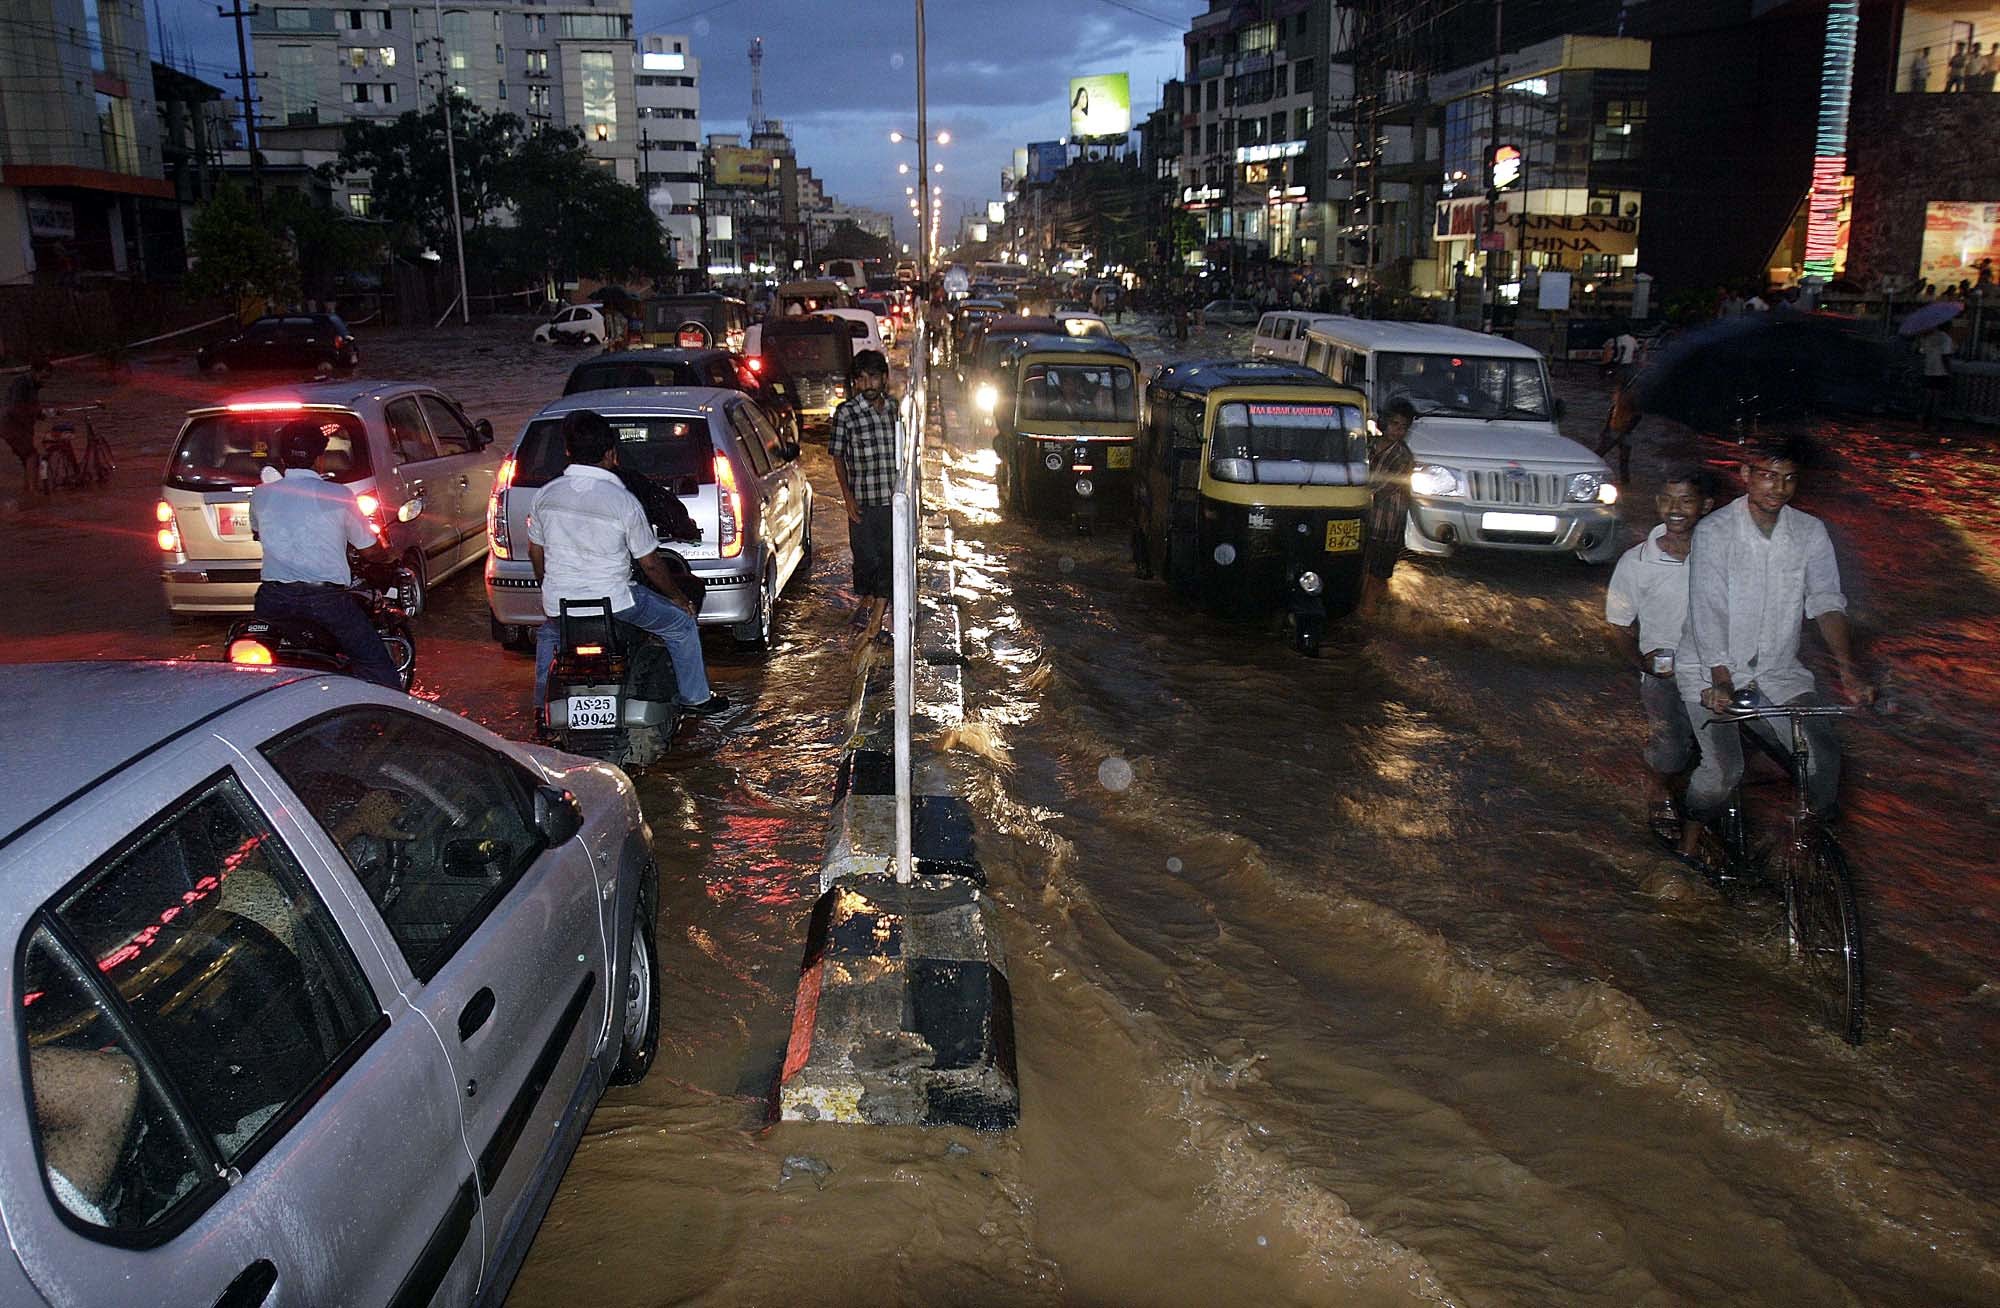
(306,524)
(585,531)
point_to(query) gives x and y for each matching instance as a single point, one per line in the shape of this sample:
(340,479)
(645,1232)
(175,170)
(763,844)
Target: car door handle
(474,1014)
(251,1287)
(416,485)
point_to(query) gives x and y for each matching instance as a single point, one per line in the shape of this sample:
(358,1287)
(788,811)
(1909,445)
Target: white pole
(451,162)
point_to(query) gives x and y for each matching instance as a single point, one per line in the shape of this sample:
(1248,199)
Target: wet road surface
(1339,981)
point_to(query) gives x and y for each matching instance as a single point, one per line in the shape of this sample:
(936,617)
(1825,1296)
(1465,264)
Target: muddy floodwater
(1347,981)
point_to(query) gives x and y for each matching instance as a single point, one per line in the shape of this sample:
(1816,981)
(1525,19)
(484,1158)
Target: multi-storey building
(667,85)
(81,185)
(328,62)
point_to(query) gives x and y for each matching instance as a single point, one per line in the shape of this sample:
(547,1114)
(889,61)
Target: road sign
(1492,240)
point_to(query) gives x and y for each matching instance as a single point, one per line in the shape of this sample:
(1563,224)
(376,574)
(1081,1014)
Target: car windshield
(225,450)
(1462,385)
(672,450)
(810,353)
(1076,392)
(1313,437)
(619,376)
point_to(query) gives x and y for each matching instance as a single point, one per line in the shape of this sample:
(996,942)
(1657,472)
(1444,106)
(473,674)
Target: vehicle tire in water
(402,648)
(1823,921)
(639,1005)
(413,603)
(756,633)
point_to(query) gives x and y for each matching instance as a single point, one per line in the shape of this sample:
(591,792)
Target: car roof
(91,719)
(345,394)
(671,355)
(633,401)
(810,324)
(1199,376)
(851,312)
(1064,343)
(1418,338)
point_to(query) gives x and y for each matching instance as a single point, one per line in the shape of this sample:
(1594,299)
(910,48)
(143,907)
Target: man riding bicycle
(1757,570)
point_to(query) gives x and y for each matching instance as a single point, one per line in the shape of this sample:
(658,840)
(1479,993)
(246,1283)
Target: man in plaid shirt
(864,458)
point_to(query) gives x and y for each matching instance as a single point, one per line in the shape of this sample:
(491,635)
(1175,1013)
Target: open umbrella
(1763,366)
(1935,314)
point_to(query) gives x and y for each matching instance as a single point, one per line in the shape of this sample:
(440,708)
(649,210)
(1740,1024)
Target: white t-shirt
(590,529)
(1936,347)
(1649,586)
(1748,595)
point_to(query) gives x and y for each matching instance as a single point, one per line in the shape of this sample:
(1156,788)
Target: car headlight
(1583,486)
(986,397)
(1084,487)
(1310,583)
(1607,494)
(1435,479)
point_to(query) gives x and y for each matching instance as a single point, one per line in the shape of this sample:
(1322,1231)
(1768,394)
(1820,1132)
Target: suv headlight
(1436,479)
(1584,486)
(986,397)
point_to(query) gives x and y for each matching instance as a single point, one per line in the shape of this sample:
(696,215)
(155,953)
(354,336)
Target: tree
(849,241)
(328,246)
(405,161)
(571,216)
(237,256)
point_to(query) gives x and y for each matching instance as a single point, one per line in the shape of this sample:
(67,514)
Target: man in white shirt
(585,530)
(305,525)
(1646,605)
(1936,346)
(1758,569)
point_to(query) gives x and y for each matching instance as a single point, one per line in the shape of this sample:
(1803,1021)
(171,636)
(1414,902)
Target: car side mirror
(475,860)
(411,509)
(558,817)
(484,430)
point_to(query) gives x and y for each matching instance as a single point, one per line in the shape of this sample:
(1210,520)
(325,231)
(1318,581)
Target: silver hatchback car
(314,988)
(736,475)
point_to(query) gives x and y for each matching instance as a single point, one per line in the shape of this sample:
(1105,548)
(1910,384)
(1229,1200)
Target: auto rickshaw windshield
(1062,392)
(1288,442)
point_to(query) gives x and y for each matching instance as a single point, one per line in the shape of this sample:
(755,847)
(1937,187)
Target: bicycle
(60,466)
(1822,917)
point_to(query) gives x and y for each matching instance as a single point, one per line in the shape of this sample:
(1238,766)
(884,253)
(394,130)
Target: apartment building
(82,189)
(667,83)
(326,62)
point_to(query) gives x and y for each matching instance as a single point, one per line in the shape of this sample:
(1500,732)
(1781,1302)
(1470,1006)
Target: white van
(1493,470)
(1281,334)
(849,271)
(862,326)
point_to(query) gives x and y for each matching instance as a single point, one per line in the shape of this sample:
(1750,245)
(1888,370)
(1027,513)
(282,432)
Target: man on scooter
(585,530)
(306,524)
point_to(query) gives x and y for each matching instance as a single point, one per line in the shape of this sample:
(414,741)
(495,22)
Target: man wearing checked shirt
(863,446)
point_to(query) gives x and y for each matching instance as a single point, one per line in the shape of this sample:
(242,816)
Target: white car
(1083,324)
(862,326)
(579,320)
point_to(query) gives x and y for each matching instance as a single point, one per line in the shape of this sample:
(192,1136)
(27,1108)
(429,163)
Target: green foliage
(850,242)
(237,255)
(328,245)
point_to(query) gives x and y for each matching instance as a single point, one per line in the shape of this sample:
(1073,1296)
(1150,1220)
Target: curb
(904,1015)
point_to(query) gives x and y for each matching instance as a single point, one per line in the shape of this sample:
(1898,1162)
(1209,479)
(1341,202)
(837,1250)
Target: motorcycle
(611,688)
(385,590)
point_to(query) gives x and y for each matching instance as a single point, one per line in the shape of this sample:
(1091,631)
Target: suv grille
(1505,486)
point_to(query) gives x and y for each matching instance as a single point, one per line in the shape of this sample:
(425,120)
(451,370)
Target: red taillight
(265,406)
(754,363)
(340,342)
(497,536)
(250,653)
(371,509)
(729,507)
(169,535)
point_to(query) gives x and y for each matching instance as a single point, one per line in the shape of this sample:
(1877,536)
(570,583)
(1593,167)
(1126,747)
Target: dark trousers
(340,613)
(872,541)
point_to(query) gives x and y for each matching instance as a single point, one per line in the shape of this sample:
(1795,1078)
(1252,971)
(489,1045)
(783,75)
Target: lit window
(600,94)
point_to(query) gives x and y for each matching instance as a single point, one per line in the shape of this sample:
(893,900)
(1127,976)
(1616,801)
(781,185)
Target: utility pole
(451,163)
(701,216)
(925,249)
(244,78)
(1490,293)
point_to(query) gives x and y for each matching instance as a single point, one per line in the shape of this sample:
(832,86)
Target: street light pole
(451,162)
(925,252)
(1490,293)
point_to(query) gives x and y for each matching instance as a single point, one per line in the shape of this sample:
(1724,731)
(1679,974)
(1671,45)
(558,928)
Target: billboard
(735,166)
(996,212)
(1046,159)
(1100,105)
(1020,161)
(1958,236)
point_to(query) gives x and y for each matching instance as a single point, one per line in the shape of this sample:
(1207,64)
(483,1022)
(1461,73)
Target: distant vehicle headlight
(986,397)
(1435,479)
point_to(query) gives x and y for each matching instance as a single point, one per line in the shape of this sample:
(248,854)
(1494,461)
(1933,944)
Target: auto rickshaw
(985,344)
(1250,490)
(1068,419)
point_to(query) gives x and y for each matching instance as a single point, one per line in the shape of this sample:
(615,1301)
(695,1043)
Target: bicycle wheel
(1823,921)
(98,462)
(63,471)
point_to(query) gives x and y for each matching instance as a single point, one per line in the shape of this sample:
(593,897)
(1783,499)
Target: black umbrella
(1760,366)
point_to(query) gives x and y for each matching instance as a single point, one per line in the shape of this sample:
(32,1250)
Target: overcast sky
(841,75)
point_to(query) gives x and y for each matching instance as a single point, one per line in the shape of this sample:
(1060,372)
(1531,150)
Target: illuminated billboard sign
(996,212)
(1958,236)
(1046,159)
(1100,105)
(736,166)
(1507,163)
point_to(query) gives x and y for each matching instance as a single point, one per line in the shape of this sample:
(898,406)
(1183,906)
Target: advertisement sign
(996,212)
(1958,234)
(1507,163)
(1461,219)
(1578,233)
(1046,159)
(735,166)
(1553,292)
(978,233)
(1020,161)
(1100,105)
(50,218)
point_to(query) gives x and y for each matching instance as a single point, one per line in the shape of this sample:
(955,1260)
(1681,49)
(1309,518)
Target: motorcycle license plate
(232,521)
(593,712)
(1343,536)
(1118,456)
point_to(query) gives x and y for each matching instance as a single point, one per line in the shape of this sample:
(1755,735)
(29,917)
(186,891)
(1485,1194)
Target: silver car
(395,445)
(736,475)
(315,987)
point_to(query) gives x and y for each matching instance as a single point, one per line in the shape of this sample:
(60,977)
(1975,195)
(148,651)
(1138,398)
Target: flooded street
(1342,981)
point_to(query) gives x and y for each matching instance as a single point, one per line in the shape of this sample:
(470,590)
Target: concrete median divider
(904,1016)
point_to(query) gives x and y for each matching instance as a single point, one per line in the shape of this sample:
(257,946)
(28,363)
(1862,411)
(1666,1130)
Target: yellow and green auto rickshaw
(1250,492)
(1067,418)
